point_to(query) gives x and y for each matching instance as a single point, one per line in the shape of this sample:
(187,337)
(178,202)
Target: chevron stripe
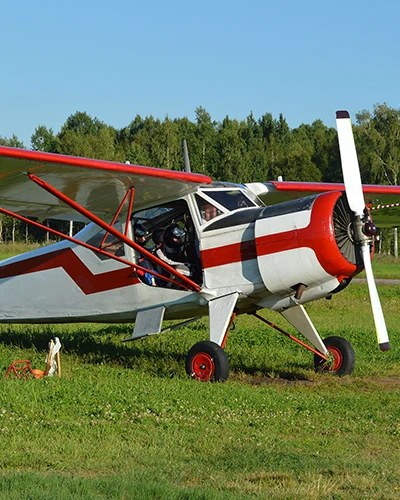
(67,260)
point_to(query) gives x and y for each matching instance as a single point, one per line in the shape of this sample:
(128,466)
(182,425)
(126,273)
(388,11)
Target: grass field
(10,249)
(124,421)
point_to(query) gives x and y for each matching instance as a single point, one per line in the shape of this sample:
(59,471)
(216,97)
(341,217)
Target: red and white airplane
(238,256)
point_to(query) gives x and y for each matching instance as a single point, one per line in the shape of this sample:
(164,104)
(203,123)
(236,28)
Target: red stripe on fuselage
(236,252)
(318,235)
(67,259)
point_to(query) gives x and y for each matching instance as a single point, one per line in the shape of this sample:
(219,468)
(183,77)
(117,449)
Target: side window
(108,242)
(207,210)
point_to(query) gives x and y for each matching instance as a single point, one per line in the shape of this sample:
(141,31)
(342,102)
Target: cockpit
(190,217)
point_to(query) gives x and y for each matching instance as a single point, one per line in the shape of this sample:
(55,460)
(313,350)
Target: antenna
(186,156)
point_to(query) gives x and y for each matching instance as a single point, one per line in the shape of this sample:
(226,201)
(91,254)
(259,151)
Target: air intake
(343,219)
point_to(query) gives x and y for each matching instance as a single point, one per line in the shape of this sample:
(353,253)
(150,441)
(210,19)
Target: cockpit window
(207,210)
(217,202)
(231,199)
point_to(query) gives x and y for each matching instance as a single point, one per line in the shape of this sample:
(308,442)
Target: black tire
(342,354)
(206,360)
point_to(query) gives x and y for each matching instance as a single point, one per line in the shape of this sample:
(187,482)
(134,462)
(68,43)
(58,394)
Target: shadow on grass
(266,372)
(102,346)
(156,354)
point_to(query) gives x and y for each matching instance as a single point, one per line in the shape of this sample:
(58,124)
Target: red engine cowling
(306,241)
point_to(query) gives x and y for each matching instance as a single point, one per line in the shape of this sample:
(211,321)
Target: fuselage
(274,257)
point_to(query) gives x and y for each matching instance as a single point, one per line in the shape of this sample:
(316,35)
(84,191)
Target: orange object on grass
(20,369)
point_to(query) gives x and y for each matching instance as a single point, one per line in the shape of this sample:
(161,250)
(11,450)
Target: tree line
(249,150)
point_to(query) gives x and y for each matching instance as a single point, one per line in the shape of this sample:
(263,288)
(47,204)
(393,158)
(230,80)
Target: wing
(383,200)
(99,186)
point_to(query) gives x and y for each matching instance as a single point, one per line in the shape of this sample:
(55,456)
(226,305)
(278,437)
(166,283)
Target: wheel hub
(337,358)
(203,366)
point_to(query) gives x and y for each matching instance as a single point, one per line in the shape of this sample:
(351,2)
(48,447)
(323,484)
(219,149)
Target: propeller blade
(350,168)
(355,197)
(380,325)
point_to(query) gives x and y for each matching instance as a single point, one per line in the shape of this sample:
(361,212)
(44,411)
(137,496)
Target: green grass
(8,250)
(385,267)
(124,421)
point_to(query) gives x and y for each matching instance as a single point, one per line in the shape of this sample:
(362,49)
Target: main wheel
(207,361)
(341,360)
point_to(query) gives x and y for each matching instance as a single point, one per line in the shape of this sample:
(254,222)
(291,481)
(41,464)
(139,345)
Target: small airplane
(168,245)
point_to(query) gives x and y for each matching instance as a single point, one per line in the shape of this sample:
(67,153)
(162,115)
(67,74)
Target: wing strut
(291,337)
(130,193)
(191,285)
(90,247)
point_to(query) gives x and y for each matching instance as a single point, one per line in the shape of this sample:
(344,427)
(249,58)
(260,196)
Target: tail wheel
(341,360)
(207,361)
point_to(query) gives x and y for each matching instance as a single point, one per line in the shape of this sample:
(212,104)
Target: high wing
(384,201)
(97,185)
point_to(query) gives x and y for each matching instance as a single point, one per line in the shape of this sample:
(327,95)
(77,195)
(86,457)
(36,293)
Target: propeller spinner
(362,229)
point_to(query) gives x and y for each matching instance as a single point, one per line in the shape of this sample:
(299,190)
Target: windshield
(230,199)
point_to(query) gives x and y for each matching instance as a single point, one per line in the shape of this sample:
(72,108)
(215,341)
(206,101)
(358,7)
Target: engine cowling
(306,241)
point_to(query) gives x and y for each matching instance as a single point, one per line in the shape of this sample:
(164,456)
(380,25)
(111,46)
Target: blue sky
(114,60)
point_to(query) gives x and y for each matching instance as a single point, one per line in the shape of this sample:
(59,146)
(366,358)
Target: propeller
(355,197)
